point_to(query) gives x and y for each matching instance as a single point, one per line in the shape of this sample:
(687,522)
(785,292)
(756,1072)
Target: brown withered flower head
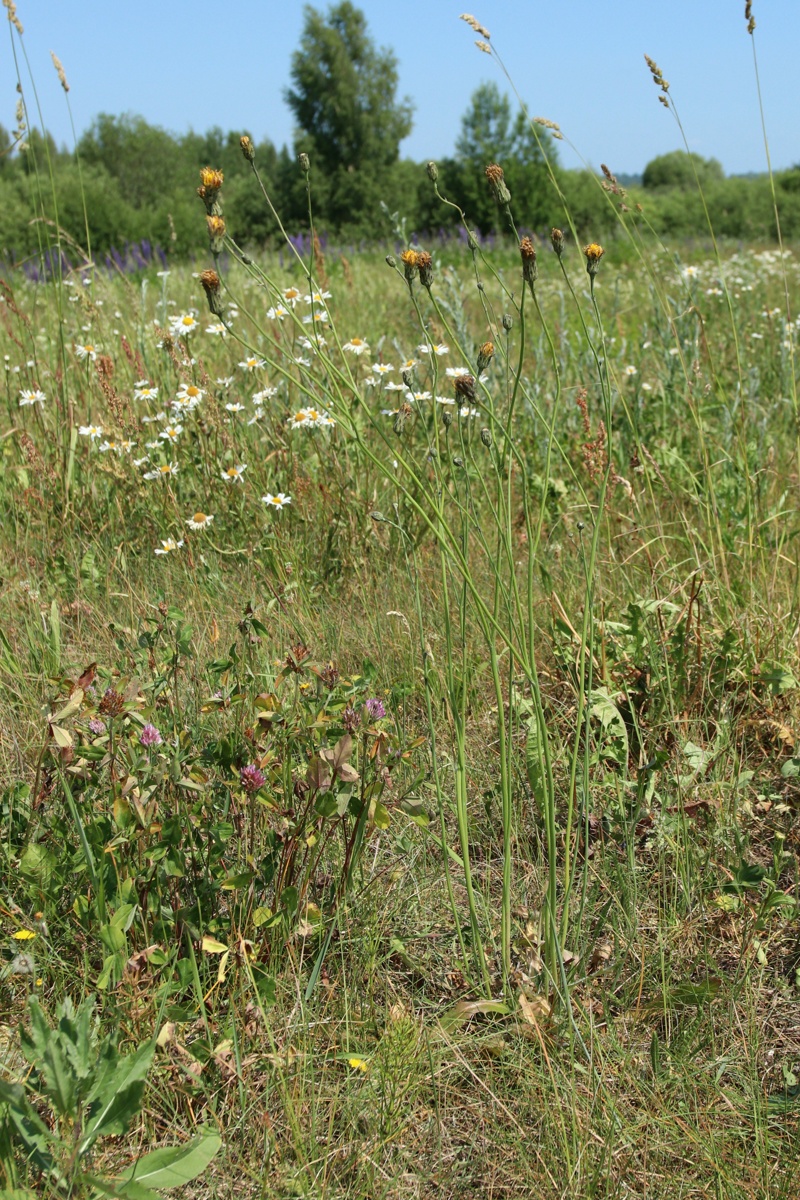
(465,388)
(530,269)
(216,233)
(425,268)
(497,182)
(557,240)
(211,287)
(485,355)
(111,704)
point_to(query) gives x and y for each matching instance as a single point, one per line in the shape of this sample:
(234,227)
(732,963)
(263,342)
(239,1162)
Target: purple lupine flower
(251,778)
(150,736)
(97,726)
(375,709)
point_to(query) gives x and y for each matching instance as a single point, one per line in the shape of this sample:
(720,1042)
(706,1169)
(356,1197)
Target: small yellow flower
(593,252)
(358,1064)
(24,935)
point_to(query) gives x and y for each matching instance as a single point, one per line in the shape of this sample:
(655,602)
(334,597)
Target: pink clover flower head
(375,709)
(150,736)
(251,778)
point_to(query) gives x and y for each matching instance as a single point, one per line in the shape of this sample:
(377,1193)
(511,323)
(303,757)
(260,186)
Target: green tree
(343,97)
(490,132)
(677,169)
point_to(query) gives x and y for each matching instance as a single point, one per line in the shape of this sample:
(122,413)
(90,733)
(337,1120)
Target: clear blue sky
(193,65)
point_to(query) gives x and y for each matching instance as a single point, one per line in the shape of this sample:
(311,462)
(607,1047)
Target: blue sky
(193,65)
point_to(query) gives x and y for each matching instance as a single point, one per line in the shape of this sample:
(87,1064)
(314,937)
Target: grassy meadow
(398,723)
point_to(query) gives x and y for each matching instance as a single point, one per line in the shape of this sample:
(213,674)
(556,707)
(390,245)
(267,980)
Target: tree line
(129,180)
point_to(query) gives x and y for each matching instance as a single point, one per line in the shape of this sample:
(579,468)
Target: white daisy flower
(191,391)
(317,297)
(234,407)
(171,433)
(91,431)
(277,313)
(234,474)
(183,324)
(144,391)
(218,329)
(291,295)
(630,370)
(200,520)
(279,501)
(356,346)
(165,471)
(87,351)
(252,364)
(168,545)
(382,368)
(31,396)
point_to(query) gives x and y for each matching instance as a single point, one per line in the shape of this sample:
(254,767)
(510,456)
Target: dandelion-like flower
(593,253)
(278,501)
(234,474)
(168,546)
(200,520)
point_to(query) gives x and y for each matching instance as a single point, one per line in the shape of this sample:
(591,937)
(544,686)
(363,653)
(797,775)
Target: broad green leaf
(175,1165)
(117,1099)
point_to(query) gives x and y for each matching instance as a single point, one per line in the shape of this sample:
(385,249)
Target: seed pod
(557,240)
(391,261)
(486,437)
(508,322)
(407,378)
(433,171)
(447,418)
(457,461)
(304,161)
